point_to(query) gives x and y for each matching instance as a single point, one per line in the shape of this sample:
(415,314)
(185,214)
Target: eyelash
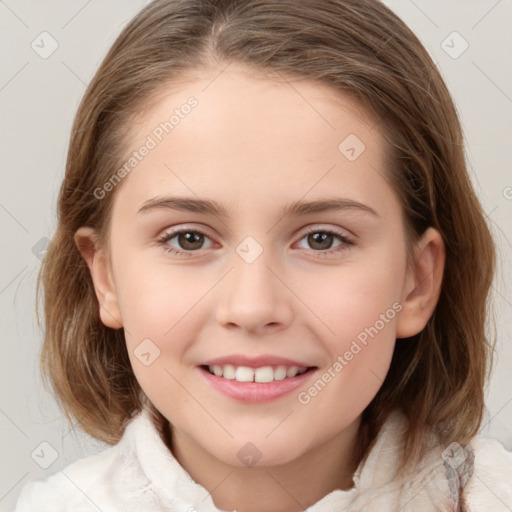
(347,242)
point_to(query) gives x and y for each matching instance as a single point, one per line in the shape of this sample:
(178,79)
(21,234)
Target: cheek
(354,297)
(160,305)
(358,351)
(154,297)
(358,307)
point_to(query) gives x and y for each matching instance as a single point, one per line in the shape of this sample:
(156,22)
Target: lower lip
(256,391)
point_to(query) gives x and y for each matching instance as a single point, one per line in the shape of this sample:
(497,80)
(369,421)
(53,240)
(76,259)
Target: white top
(141,474)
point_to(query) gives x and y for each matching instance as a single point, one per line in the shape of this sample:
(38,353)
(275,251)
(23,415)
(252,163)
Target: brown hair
(359,48)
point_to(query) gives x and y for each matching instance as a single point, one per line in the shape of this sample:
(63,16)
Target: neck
(289,487)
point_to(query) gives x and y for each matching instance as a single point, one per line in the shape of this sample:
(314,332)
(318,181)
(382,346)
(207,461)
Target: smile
(258,382)
(262,374)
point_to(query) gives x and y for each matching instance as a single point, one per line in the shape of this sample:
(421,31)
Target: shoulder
(486,475)
(68,487)
(96,482)
(490,485)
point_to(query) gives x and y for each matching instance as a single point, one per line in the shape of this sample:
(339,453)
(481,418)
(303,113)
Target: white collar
(176,488)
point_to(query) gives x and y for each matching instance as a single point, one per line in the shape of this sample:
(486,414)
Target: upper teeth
(263,374)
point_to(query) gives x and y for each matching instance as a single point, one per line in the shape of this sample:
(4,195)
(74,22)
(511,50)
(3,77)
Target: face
(256,239)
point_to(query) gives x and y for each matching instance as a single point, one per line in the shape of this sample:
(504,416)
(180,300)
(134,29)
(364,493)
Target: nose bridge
(252,297)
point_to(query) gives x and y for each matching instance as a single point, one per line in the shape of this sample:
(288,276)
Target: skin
(254,145)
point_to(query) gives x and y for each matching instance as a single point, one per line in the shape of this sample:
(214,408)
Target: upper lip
(254,362)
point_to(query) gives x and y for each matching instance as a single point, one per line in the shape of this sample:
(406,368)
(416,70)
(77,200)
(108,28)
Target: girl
(269,282)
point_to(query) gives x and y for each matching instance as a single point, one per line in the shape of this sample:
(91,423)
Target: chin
(257,453)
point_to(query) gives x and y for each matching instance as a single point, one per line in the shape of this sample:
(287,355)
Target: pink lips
(254,362)
(252,392)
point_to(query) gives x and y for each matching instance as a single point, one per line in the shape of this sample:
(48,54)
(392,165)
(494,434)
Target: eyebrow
(189,204)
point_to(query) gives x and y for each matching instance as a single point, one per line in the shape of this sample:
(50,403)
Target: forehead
(257,138)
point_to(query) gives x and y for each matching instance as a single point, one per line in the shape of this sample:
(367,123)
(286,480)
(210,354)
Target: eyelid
(168,234)
(173,230)
(345,237)
(334,229)
(309,229)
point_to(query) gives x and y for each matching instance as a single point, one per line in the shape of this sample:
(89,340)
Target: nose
(254,299)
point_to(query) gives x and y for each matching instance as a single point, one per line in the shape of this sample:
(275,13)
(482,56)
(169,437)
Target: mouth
(262,374)
(255,380)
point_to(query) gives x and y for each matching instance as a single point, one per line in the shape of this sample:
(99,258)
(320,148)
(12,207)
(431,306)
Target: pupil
(191,240)
(321,239)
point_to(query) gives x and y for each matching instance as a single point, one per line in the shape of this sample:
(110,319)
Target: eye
(188,241)
(322,240)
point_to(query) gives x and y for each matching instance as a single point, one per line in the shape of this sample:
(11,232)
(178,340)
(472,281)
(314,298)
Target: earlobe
(86,240)
(422,284)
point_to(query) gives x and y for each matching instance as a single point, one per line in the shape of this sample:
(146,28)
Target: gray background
(38,99)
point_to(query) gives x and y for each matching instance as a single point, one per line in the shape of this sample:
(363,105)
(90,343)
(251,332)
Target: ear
(86,240)
(422,284)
